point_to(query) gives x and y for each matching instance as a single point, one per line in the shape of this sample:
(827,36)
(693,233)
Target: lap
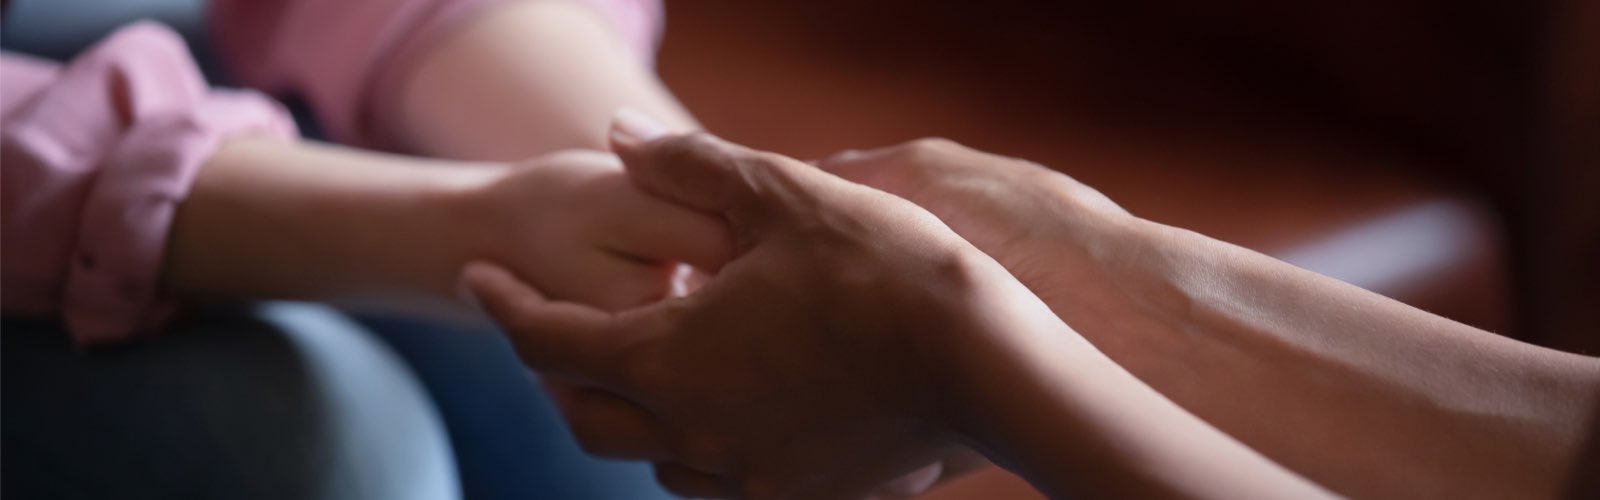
(290,401)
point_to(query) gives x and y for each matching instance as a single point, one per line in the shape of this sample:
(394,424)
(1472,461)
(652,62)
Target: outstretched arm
(1364,394)
(128,181)
(853,338)
(280,219)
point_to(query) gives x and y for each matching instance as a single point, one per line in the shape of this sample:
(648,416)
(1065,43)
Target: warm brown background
(1265,124)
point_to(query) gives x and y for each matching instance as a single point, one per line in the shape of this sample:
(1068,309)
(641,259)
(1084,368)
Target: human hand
(572,224)
(826,358)
(1063,239)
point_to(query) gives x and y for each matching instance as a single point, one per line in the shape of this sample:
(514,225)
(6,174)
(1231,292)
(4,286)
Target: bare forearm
(1360,393)
(1366,395)
(526,78)
(1078,426)
(270,219)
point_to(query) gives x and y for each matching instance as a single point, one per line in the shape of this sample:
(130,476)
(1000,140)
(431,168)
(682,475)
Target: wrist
(300,220)
(452,217)
(1012,388)
(1100,268)
(1008,343)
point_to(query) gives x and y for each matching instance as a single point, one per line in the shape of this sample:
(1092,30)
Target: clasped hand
(815,364)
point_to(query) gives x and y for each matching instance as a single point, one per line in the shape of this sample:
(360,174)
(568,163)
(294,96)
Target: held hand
(1055,234)
(820,362)
(572,224)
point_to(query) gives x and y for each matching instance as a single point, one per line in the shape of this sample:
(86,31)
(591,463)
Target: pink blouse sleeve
(96,156)
(343,56)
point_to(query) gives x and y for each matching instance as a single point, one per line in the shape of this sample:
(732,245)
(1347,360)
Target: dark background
(1446,149)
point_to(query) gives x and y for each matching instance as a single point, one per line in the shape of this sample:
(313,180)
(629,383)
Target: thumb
(754,191)
(566,338)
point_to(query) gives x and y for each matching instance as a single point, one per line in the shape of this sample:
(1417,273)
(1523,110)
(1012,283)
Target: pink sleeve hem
(97,160)
(113,286)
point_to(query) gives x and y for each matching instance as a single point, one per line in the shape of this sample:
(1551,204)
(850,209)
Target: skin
(470,98)
(1360,393)
(300,220)
(488,92)
(848,341)
(525,78)
(1370,381)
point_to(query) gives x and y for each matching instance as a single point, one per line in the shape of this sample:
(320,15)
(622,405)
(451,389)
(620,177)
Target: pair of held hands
(834,347)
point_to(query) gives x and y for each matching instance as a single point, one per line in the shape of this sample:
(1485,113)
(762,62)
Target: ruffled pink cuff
(96,163)
(112,289)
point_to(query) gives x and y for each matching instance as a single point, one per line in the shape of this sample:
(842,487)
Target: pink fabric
(343,56)
(96,156)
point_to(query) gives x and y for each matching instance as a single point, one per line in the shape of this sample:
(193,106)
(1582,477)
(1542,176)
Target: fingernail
(630,127)
(681,274)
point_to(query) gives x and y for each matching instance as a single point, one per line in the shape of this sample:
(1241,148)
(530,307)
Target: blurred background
(1444,153)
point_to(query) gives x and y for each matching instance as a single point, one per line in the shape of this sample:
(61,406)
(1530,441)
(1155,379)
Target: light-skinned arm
(301,220)
(525,78)
(1361,393)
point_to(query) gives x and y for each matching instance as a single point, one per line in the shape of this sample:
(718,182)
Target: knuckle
(916,160)
(768,159)
(958,270)
(932,145)
(933,142)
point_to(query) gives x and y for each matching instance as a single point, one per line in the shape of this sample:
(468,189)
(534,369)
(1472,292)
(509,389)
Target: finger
(559,337)
(688,280)
(607,425)
(623,282)
(751,189)
(686,482)
(649,228)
